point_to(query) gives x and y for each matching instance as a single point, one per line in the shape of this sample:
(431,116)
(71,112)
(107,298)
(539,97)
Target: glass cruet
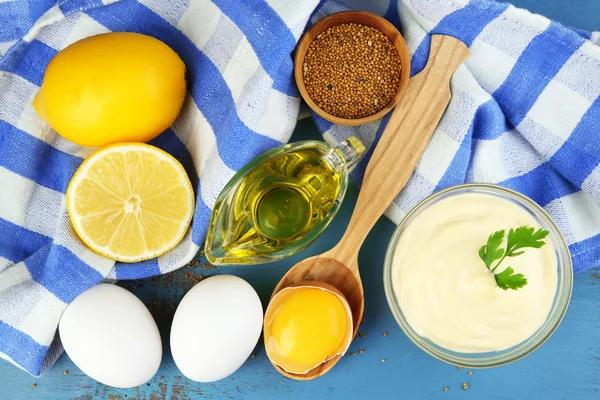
(280,202)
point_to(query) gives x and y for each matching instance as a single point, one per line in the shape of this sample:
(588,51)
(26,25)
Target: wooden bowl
(358,17)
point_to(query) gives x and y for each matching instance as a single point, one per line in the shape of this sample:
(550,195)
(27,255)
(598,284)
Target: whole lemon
(113,87)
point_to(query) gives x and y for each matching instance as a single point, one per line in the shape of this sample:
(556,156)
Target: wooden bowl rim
(350,17)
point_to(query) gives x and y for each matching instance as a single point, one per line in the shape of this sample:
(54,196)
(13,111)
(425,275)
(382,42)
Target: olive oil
(280,202)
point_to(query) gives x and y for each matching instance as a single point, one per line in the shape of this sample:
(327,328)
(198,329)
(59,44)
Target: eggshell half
(279,298)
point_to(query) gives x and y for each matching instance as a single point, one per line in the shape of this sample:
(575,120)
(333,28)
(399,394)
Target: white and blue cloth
(525,114)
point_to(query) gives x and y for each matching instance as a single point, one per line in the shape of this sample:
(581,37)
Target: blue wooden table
(566,367)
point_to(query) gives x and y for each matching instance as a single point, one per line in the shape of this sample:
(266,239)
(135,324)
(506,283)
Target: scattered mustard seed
(361,351)
(66,372)
(460,368)
(384,333)
(253,355)
(446,389)
(33,385)
(351,70)
(362,335)
(470,372)
(383,360)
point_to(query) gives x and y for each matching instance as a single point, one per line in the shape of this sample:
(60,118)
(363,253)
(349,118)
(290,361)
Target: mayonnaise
(445,290)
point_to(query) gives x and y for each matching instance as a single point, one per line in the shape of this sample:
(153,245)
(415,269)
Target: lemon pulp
(130,202)
(308,328)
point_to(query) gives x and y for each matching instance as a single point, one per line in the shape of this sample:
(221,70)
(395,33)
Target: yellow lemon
(130,202)
(110,88)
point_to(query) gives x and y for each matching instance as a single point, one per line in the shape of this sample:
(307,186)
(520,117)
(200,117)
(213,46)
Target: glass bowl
(559,304)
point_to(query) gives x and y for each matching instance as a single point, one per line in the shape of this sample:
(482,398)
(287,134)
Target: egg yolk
(308,328)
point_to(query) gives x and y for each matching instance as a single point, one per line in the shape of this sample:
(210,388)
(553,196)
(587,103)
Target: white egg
(111,336)
(215,328)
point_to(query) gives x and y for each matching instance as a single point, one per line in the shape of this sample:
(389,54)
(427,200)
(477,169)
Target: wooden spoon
(395,157)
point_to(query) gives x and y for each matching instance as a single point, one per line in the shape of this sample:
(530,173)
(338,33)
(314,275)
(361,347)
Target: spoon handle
(407,133)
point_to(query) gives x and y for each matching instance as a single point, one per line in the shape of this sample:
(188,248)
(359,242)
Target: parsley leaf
(523,237)
(507,279)
(490,252)
(519,238)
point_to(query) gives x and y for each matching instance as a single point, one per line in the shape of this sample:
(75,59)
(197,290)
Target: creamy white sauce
(445,290)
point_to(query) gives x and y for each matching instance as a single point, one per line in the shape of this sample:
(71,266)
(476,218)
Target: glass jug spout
(351,151)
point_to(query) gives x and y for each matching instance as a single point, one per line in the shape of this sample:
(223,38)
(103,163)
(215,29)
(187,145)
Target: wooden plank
(566,367)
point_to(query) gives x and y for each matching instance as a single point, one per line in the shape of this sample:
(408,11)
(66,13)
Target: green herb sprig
(519,238)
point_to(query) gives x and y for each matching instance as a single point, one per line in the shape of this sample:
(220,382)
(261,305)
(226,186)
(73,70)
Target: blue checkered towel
(525,113)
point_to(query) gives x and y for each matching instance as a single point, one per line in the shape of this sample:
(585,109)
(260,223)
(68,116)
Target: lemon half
(130,202)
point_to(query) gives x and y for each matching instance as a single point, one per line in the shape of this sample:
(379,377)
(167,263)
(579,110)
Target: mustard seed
(351,70)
